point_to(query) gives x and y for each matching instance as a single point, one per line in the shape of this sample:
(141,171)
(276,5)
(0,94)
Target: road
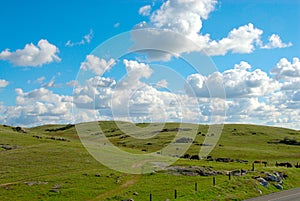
(289,195)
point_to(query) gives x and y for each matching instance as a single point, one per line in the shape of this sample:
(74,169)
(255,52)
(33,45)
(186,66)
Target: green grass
(79,176)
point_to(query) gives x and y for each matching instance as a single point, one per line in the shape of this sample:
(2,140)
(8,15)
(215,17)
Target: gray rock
(278,186)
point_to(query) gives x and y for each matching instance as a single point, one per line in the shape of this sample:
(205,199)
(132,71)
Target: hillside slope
(49,163)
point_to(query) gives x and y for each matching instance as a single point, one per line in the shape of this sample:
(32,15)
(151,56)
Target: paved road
(289,195)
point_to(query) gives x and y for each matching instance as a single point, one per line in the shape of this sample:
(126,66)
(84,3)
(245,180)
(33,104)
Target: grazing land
(50,163)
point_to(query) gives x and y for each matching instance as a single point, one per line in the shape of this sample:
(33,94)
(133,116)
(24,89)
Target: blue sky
(263,33)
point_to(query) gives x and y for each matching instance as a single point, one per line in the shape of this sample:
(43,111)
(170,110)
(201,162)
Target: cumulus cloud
(131,99)
(145,10)
(240,40)
(275,42)
(285,70)
(96,65)
(86,39)
(39,106)
(237,82)
(3,83)
(32,55)
(186,19)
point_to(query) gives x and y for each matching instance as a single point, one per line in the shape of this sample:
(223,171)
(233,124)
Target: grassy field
(54,165)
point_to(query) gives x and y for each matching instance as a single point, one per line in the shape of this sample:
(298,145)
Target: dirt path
(127,184)
(10,183)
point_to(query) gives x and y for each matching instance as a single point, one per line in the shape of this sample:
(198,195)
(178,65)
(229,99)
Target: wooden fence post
(214,181)
(150,197)
(175,194)
(196,186)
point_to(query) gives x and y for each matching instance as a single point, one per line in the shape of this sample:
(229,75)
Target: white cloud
(3,83)
(240,40)
(285,70)
(237,82)
(184,19)
(145,10)
(39,106)
(86,39)
(96,65)
(40,79)
(32,55)
(49,84)
(162,84)
(275,42)
(72,83)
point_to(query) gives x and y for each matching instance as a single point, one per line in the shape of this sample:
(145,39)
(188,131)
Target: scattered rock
(278,186)
(55,188)
(192,171)
(185,156)
(238,172)
(263,182)
(224,160)
(135,193)
(19,129)
(195,157)
(130,199)
(241,161)
(184,140)
(31,183)
(9,147)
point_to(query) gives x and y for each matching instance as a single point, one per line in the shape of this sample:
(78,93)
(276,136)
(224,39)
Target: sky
(199,61)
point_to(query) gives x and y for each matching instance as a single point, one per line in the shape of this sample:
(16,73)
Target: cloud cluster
(96,65)
(3,83)
(285,70)
(185,18)
(238,82)
(37,107)
(145,10)
(275,42)
(252,96)
(32,55)
(86,39)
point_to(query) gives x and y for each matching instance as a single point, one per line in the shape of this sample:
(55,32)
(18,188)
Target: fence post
(150,197)
(175,194)
(196,186)
(229,176)
(214,181)
(252,167)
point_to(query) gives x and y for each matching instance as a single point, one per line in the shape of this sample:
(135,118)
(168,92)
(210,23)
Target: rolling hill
(49,162)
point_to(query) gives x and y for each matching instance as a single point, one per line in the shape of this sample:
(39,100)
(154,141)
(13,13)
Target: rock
(135,193)
(278,186)
(273,177)
(225,160)
(192,171)
(20,129)
(263,182)
(195,157)
(54,190)
(130,199)
(184,140)
(9,147)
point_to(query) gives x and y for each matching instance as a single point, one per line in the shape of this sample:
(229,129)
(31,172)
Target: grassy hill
(50,163)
